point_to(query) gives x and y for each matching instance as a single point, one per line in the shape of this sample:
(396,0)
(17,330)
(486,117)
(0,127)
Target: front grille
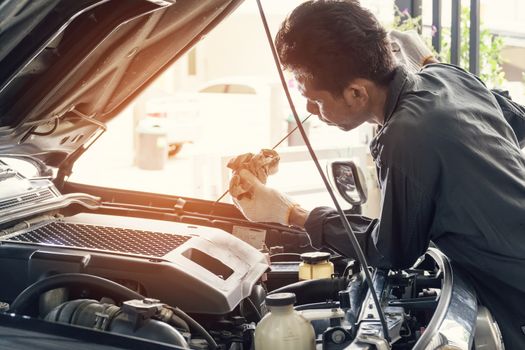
(148,243)
(26,199)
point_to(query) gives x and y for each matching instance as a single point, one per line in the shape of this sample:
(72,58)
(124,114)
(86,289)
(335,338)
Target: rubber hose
(31,293)
(195,325)
(316,306)
(178,322)
(115,291)
(312,291)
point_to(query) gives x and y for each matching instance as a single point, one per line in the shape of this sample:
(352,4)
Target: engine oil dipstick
(274,147)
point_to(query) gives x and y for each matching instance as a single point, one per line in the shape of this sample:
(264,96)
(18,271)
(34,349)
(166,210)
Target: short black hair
(333,42)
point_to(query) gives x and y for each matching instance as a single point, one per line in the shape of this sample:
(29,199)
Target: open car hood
(70,66)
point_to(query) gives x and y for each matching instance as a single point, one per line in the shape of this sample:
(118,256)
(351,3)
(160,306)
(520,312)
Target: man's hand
(259,202)
(262,165)
(410,50)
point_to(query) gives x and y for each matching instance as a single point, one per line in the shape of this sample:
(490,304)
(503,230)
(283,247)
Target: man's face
(331,109)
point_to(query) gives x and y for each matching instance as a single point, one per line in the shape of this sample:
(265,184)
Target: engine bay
(180,274)
(168,260)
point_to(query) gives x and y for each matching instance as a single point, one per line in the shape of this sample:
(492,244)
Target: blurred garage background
(223,98)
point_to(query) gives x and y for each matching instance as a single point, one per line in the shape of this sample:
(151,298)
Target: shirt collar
(395,88)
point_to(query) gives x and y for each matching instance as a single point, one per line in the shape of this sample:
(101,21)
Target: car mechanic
(448,155)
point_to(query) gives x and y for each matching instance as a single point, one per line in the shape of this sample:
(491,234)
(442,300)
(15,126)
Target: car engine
(182,278)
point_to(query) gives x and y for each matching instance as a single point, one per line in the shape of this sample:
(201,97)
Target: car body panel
(59,88)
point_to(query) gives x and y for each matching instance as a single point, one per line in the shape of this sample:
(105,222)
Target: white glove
(259,202)
(410,50)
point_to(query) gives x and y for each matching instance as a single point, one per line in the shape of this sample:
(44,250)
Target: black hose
(317,306)
(178,322)
(195,325)
(254,308)
(312,291)
(112,289)
(31,293)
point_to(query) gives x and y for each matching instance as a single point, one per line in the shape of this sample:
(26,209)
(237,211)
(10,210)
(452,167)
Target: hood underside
(70,66)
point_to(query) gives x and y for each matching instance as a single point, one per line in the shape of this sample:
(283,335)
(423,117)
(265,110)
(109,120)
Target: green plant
(403,21)
(490,46)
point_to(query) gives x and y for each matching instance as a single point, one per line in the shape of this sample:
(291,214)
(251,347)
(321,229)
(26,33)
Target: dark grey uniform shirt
(450,170)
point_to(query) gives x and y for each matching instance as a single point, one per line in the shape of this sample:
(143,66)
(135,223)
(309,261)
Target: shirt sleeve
(409,173)
(326,229)
(396,239)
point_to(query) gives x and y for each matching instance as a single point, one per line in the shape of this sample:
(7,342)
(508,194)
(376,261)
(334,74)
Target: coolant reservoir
(283,328)
(315,265)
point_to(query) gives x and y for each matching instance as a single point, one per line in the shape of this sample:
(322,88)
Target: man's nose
(312,108)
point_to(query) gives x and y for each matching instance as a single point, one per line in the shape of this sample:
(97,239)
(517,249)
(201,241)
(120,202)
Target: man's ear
(355,93)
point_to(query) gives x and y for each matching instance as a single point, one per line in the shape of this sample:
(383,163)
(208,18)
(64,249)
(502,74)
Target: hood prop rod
(351,235)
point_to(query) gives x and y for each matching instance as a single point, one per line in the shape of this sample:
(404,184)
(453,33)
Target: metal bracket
(373,337)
